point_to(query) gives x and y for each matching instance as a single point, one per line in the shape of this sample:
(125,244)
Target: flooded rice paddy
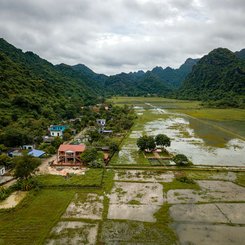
(203,142)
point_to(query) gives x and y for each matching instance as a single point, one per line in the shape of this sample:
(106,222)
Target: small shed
(2,170)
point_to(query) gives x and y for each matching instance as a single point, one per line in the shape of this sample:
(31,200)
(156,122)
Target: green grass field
(92,178)
(31,221)
(155,101)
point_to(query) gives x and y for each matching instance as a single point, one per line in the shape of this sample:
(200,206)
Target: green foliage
(114,147)
(94,135)
(185,179)
(89,155)
(162,140)
(181,160)
(218,79)
(146,143)
(25,165)
(26,184)
(34,94)
(6,161)
(31,221)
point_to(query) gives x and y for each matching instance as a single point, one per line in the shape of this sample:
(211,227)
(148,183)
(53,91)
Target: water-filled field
(206,136)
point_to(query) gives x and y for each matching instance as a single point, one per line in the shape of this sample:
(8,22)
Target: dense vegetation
(34,93)
(218,79)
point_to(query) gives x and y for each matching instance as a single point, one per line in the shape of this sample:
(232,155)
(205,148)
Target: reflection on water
(202,143)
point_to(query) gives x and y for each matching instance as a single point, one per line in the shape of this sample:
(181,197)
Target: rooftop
(73,148)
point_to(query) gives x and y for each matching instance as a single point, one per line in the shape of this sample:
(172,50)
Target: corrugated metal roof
(36,153)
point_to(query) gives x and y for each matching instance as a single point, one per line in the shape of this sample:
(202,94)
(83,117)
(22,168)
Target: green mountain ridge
(218,76)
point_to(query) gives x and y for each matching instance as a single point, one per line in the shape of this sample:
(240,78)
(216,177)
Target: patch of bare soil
(206,234)
(13,200)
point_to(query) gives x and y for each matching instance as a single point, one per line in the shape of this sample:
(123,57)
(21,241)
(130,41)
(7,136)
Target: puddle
(210,234)
(143,193)
(133,212)
(15,198)
(184,140)
(211,191)
(135,201)
(207,213)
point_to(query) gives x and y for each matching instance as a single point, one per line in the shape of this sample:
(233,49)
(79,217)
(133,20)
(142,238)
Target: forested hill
(158,81)
(34,92)
(218,77)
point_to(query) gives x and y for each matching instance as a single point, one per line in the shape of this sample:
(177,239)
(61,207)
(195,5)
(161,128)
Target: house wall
(2,171)
(56,133)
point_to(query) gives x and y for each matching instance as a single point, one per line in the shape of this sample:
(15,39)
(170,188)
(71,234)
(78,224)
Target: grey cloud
(114,36)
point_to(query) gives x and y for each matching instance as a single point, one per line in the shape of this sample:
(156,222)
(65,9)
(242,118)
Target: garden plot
(73,232)
(210,234)
(135,201)
(90,207)
(144,176)
(211,191)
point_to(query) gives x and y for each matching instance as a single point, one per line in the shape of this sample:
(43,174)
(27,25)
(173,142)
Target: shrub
(181,160)
(185,179)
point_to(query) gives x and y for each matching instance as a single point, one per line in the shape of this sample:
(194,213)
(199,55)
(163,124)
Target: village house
(70,154)
(27,147)
(101,123)
(2,170)
(18,152)
(57,130)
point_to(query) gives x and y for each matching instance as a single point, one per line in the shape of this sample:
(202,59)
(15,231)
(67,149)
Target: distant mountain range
(31,85)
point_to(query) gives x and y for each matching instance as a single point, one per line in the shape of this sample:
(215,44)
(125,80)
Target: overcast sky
(112,36)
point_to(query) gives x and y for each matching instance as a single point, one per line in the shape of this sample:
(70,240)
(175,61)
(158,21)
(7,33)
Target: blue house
(57,130)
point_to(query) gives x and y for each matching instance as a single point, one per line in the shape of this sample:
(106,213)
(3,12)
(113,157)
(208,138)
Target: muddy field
(147,207)
(205,142)
(144,207)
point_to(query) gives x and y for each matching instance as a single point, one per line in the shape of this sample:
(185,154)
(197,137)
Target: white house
(57,130)
(2,170)
(101,123)
(27,147)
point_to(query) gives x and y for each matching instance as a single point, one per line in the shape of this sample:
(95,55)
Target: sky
(113,36)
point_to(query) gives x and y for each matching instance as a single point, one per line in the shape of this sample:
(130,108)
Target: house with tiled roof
(70,154)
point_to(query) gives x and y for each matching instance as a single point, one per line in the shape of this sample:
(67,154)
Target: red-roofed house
(70,154)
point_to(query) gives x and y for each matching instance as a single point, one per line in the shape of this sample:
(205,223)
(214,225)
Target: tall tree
(162,140)
(25,166)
